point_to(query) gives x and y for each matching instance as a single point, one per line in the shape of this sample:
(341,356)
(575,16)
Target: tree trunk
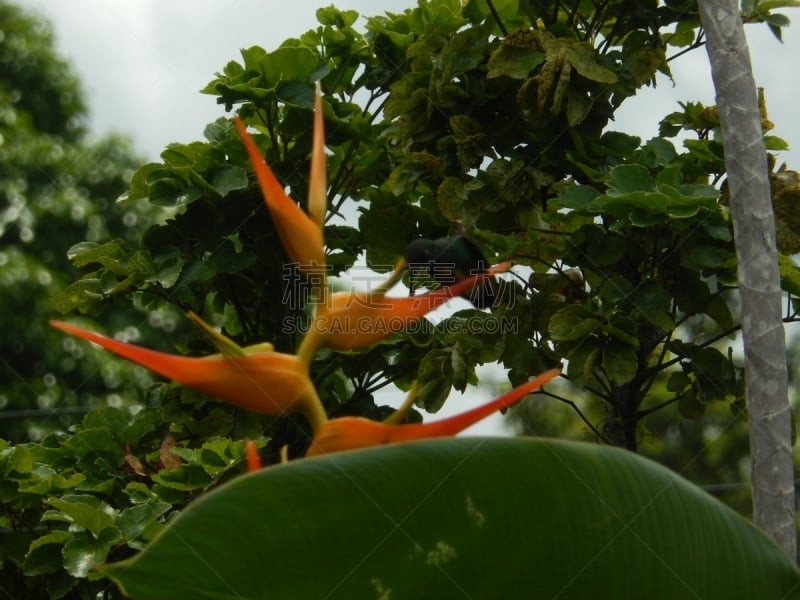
(759,280)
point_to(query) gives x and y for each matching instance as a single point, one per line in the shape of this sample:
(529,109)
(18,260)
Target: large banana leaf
(461,518)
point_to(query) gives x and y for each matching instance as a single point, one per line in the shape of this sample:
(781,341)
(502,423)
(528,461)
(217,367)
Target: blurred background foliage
(58,188)
(488,119)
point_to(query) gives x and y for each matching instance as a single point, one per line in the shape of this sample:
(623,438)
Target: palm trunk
(759,280)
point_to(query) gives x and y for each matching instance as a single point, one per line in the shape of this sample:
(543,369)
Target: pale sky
(142,63)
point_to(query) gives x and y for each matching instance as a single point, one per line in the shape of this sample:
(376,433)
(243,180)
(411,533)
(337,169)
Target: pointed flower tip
(300,234)
(500,268)
(351,433)
(351,320)
(265,382)
(317,185)
(251,454)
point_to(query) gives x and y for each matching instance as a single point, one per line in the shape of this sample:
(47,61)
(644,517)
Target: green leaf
(572,323)
(16,460)
(620,362)
(93,442)
(790,275)
(718,309)
(775,143)
(701,257)
(767,5)
(514,61)
(454,201)
(690,406)
(83,510)
(134,520)
(44,555)
(622,329)
(678,381)
(289,64)
(584,58)
(777,20)
(187,478)
(85,552)
(433,384)
(45,480)
(229,179)
(626,179)
(465,517)
(577,197)
(653,301)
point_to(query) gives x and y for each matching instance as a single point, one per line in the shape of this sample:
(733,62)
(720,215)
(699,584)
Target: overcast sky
(142,63)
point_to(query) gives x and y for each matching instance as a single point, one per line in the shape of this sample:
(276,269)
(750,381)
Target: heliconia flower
(350,433)
(300,234)
(349,320)
(262,381)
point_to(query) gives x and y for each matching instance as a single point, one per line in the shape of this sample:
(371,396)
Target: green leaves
(633,194)
(284,75)
(441,516)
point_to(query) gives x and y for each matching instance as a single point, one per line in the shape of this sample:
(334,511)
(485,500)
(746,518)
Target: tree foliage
(491,119)
(443,120)
(58,189)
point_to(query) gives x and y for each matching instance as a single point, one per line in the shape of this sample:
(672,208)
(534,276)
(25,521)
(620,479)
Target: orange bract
(265,382)
(355,319)
(251,453)
(350,433)
(300,235)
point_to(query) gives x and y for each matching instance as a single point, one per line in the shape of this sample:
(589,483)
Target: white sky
(142,63)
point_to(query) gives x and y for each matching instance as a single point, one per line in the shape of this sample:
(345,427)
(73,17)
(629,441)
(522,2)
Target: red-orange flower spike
(266,382)
(300,235)
(251,453)
(349,433)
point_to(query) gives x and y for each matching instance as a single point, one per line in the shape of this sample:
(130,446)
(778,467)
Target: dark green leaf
(678,381)
(44,555)
(572,323)
(653,302)
(441,516)
(690,406)
(620,363)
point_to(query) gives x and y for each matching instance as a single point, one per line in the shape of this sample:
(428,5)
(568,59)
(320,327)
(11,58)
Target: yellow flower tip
(270,383)
(351,433)
(317,184)
(251,455)
(394,277)
(300,235)
(223,343)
